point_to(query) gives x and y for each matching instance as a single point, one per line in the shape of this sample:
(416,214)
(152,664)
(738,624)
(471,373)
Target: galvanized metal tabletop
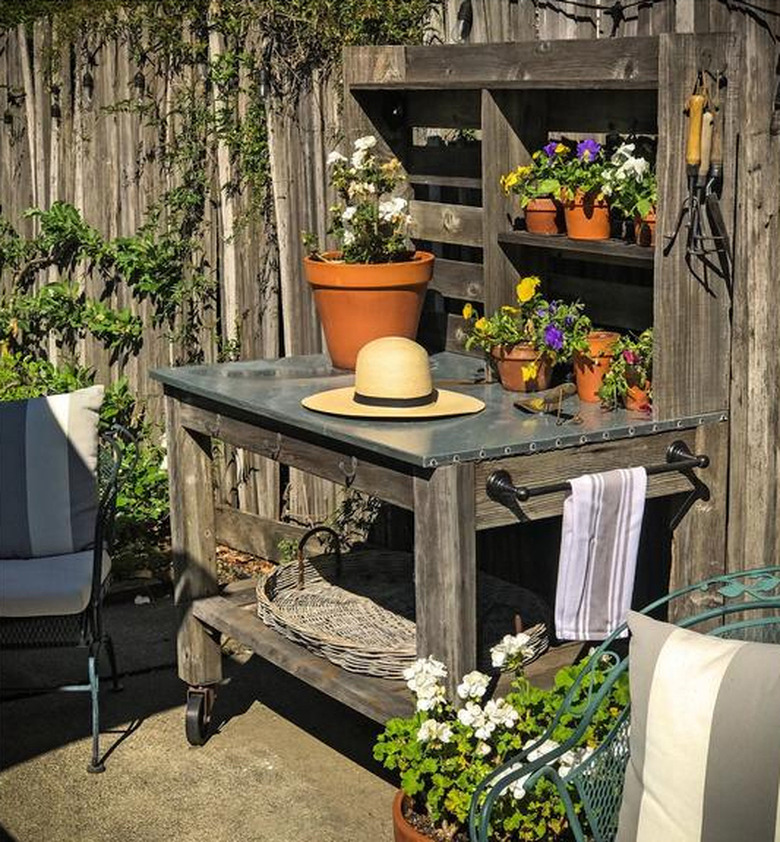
(273,389)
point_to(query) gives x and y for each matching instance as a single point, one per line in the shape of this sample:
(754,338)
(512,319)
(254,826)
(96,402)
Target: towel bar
(499,485)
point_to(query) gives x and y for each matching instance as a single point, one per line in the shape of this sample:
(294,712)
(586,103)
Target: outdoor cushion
(705,738)
(50,586)
(48,458)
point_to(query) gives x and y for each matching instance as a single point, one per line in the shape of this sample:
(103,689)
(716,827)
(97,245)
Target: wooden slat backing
(441,331)
(445,109)
(396,487)
(692,332)
(562,465)
(254,534)
(458,279)
(444,223)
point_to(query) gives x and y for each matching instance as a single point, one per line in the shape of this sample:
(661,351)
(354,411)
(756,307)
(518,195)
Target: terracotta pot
(644,229)
(358,302)
(587,219)
(637,400)
(402,830)
(544,216)
(510,361)
(590,368)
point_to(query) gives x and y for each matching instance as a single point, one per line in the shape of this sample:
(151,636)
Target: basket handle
(335,537)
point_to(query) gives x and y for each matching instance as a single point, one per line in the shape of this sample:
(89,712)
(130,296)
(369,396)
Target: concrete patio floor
(287,764)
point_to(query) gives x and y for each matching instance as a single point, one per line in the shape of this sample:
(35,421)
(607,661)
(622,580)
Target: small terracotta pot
(510,361)
(402,830)
(358,302)
(637,400)
(590,368)
(587,219)
(644,229)
(544,216)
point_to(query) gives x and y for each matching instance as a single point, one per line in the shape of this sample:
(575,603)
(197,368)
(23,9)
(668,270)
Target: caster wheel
(198,715)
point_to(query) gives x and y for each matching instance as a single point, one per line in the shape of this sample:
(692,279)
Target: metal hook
(349,472)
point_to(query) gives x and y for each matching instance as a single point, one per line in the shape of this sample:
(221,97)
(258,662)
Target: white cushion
(47,586)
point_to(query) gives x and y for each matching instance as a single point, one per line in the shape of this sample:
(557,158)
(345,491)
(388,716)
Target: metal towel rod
(499,485)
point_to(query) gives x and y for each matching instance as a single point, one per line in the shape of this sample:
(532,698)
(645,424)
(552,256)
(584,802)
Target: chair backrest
(743,605)
(48,460)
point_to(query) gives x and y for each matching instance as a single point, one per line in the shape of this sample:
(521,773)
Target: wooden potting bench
(504,101)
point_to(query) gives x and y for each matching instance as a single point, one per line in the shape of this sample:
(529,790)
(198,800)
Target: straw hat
(393,380)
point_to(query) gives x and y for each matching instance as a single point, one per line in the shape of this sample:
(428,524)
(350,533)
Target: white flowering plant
(370,224)
(444,750)
(631,182)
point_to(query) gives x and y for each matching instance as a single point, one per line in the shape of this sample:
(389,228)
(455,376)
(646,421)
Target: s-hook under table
(437,468)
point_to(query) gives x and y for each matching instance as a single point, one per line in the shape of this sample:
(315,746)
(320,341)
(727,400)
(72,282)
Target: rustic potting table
(436,468)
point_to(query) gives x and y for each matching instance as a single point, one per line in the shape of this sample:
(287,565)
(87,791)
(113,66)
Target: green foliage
(632,183)
(631,365)
(23,377)
(539,179)
(441,757)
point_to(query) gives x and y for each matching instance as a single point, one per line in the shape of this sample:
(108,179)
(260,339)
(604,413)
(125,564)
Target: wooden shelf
(446,181)
(615,251)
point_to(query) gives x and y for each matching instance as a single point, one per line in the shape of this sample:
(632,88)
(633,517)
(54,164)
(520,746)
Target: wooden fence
(90,157)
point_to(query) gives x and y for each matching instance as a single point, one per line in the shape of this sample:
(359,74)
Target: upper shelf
(615,251)
(629,63)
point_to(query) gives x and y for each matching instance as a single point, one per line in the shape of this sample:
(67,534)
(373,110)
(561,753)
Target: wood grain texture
(605,251)
(445,569)
(445,223)
(458,279)
(254,534)
(377,698)
(562,465)
(193,545)
(332,465)
(692,331)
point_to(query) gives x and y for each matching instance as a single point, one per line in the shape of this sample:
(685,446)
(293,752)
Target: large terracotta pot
(637,400)
(590,368)
(358,302)
(644,230)
(586,218)
(544,216)
(510,361)
(402,830)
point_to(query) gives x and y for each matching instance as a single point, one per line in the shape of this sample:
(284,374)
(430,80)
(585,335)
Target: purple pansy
(553,337)
(631,357)
(542,311)
(569,321)
(550,149)
(587,150)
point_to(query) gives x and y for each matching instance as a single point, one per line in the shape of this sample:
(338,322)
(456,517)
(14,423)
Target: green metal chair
(84,628)
(746,606)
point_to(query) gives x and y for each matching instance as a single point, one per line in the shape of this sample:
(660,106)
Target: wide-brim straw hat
(393,381)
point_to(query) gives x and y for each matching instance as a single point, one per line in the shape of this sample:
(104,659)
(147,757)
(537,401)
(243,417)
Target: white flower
(360,189)
(509,647)
(422,679)
(546,747)
(474,685)
(483,749)
(358,158)
(517,788)
(500,712)
(335,157)
(393,209)
(573,758)
(431,697)
(349,238)
(472,716)
(366,142)
(433,730)
(349,213)
(425,666)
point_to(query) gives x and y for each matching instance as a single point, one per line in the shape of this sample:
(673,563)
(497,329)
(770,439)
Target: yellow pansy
(522,172)
(561,149)
(508,308)
(530,371)
(468,311)
(526,288)
(481,324)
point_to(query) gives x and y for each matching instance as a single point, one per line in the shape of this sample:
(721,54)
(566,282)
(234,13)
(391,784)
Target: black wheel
(198,715)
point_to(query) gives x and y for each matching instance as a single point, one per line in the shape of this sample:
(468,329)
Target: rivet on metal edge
(679,424)
(583,439)
(605,435)
(456,458)
(631,431)
(558,442)
(532,446)
(481,454)
(433,463)
(655,428)
(507,450)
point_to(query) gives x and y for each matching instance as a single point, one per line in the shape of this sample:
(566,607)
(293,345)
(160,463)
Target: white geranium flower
(470,713)
(500,712)
(366,142)
(546,747)
(573,758)
(431,697)
(425,666)
(474,685)
(509,647)
(517,788)
(349,238)
(358,159)
(483,749)
(433,730)
(335,157)
(349,213)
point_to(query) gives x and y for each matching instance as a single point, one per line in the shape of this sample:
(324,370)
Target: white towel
(602,521)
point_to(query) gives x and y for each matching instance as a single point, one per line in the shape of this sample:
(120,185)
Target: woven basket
(358,612)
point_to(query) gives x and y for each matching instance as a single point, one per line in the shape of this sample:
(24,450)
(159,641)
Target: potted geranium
(441,753)
(525,341)
(634,191)
(628,381)
(374,285)
(585,185)
(537,185)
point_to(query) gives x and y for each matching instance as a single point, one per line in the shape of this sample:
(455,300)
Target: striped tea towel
(602,520)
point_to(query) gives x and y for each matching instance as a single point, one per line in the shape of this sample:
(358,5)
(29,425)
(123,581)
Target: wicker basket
(357,610)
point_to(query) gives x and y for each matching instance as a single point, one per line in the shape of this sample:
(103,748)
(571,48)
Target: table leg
(193,545)
(445,568)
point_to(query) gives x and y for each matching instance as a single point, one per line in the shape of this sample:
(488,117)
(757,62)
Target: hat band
(398,403)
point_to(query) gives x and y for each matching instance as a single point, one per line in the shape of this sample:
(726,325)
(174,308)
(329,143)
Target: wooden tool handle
(716,153)
(706,144)
(695,113)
